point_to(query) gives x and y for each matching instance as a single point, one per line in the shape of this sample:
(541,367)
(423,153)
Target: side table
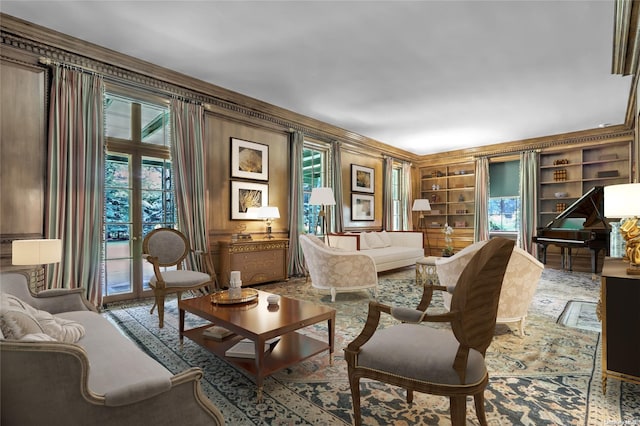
(426,270)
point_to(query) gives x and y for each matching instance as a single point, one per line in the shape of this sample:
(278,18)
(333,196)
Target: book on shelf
(246,348)
(216,332)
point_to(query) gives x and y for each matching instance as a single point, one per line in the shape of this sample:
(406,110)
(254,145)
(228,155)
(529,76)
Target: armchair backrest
(477,292)
(169,246)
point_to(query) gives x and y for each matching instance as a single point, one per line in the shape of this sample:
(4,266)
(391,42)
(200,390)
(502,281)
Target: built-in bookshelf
(450,190)
(566,175)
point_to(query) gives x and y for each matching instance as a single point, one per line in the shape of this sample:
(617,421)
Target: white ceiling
(425,76)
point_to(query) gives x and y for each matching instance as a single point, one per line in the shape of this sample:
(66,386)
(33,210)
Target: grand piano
(581,225)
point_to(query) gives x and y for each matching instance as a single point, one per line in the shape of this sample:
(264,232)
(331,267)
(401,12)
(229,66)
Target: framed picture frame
(249,160)
(362,207)
(362,179)
(245,195)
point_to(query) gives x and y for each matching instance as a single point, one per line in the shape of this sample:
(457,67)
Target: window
(314,175)
(139,192)
(396,197)
(504,197)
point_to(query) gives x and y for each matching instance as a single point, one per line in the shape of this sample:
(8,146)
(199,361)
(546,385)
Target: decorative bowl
(561,195)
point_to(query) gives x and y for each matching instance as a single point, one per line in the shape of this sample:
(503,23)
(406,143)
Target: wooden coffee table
(260,322)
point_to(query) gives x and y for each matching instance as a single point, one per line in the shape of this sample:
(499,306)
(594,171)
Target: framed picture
(362,178)
(362,207)
(249,160)
(245,195)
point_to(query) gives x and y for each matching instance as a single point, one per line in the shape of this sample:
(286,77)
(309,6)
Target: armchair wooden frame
(155,252)
(472,318)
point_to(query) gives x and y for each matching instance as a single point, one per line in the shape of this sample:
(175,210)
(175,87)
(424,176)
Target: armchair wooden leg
(160,303)
(458,408)
(409,396)
(479,403)
(354,382)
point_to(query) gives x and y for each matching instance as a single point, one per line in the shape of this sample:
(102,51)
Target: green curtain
(529,161)
(407,196)
(336,181)
(188,158)
(387,194)
(296,226)
(75,186)
(481,217)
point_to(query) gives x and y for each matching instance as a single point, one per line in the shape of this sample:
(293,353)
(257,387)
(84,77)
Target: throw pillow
(373,240)
(19,319)
(386,238)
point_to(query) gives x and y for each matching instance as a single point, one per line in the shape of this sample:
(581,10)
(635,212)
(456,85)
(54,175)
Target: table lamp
(322,196)
(36,253)
(268,214)
(422,205)
(623,201)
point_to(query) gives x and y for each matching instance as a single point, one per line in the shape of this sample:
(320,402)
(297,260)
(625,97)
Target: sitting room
(319,212)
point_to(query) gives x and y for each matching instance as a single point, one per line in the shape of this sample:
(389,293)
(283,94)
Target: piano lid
(590,207)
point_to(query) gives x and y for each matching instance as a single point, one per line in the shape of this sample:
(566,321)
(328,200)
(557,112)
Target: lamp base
(633,269)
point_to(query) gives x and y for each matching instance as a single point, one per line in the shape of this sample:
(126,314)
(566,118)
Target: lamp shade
(322,197)
(622,201)
(421,205)
(253,213)
(35,252)
(269,212)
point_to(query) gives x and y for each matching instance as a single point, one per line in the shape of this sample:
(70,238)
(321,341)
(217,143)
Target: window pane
(117,115)
(504,214)
(155,124)
(117,204)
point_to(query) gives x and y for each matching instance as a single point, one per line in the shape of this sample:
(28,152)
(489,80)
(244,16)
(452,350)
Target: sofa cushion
(18,319)
(373,240)
(386,239)
(120,370)
(394,254)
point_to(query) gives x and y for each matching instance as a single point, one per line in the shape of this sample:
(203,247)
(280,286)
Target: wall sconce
(36,253)
(623,201)
(422,205)
(322,197)
(268,214)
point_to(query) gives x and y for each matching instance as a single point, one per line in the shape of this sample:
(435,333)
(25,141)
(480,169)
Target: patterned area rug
(549,377)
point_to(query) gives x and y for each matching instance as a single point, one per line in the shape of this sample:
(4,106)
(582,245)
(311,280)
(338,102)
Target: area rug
(549,377)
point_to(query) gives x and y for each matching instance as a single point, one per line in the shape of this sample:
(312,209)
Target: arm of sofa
(56,375)
(53,301)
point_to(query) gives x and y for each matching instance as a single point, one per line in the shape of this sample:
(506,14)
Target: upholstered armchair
(439,361)
(518,288)
(167,248)
(336,270)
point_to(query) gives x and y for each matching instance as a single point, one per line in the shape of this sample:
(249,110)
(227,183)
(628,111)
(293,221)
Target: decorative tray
(223,298)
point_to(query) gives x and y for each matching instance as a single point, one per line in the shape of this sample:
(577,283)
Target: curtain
(406,197)
(481,217)
(528,200)
(75,188)
(188,158)
(336,180)
(387,194)
(296,226)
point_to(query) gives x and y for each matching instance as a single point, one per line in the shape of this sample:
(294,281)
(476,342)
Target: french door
(139,194)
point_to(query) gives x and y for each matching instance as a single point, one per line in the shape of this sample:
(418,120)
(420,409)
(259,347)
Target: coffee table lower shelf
(291,349)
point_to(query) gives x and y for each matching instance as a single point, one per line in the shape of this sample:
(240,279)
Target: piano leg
(594,260)
(542,251)
(563,258)
(570,262)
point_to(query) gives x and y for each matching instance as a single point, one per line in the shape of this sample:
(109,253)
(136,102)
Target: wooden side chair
(166,247)
(438,361)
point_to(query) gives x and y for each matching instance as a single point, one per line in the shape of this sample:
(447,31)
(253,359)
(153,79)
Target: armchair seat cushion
(181,278)
(427,355)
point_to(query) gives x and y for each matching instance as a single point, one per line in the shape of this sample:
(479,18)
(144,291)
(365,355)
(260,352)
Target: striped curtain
(387,194)
(75,187)
(528,200)
(481,218)
(296,226)
(336,181)
(188,157)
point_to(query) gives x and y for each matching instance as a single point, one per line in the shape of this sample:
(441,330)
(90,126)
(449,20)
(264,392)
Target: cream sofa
(101,379)
(389,249)
(518,288)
